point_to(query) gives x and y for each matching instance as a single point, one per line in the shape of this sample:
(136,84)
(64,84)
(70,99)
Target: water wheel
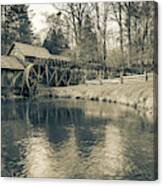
(30,80)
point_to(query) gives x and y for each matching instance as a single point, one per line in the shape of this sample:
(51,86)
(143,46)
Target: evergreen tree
(55,41)
(24,29)
(88,45)
(15,25)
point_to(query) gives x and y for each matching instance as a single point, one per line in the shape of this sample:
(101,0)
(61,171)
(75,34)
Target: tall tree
(128,16)
(105,19)
(16,25)
(75,13)
(24,29)
(55,41)
(141,24)
(88,45)
(117,10)
(101,12)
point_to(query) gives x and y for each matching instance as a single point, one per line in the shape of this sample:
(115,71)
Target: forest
(118,34)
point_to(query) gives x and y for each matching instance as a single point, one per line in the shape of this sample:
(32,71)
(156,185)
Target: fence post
(146,75)
(85,77)
(100,77)
(121,76)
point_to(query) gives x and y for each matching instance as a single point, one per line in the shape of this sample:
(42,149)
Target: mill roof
(30,50)
(11,63)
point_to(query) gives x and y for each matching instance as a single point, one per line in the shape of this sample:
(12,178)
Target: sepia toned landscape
(79,90)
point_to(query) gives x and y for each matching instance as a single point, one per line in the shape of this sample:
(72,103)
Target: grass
(135,91)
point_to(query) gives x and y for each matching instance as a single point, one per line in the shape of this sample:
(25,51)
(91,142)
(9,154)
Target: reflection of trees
(10,152)
(14,129)
(10,110)
(59,120)
(27,122)
(57,128)
(56,120)
(89,132)
(138,148)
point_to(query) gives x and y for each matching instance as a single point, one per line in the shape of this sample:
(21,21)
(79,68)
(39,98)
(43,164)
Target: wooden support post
(39,72)
(47,74)
(56,76)
(16,76)
(70,77)
(64,75)
(61,77)
(52,75)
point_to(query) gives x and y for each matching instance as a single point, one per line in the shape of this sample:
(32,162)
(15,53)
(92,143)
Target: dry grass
(135,92)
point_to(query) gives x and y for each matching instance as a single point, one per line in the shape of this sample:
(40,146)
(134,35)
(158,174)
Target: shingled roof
(30,50)
(11,63)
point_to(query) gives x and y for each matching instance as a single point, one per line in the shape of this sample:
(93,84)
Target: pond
(59,138)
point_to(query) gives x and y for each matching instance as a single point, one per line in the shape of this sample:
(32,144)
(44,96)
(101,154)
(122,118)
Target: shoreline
(136,94)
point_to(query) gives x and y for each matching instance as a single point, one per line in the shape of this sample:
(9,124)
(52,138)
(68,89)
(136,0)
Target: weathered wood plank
(47,73)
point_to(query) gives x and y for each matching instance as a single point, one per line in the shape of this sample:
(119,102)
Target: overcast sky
(38,19)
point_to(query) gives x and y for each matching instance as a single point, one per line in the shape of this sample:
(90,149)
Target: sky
(36,13)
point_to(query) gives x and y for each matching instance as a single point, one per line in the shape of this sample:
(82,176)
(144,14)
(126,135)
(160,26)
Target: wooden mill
(26,67)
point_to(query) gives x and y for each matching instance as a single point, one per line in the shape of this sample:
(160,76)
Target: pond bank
(136,93)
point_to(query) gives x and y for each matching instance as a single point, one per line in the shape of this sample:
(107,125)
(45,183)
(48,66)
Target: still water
(75,139)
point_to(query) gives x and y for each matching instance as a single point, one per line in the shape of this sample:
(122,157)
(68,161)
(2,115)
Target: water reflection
(75,139)
(37,152)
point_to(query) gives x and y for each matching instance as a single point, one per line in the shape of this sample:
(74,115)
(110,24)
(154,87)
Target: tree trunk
(128,14)
(104,33)
(129,39)
(121,31)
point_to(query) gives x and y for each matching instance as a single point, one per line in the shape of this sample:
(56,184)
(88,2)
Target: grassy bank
(134,92)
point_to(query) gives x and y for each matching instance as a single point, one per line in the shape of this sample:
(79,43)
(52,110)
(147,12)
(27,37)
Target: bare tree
(117,10)
(128,12)
(102,25)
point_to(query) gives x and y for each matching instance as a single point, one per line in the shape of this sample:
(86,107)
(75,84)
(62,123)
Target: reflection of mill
(58,119)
